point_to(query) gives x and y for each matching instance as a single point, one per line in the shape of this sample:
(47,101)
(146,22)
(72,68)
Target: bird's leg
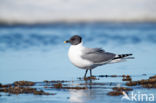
(90,72)
(85,73)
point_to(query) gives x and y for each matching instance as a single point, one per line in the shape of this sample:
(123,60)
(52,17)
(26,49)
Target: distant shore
(75,22)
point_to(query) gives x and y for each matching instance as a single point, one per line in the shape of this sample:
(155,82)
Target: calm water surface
(37,53)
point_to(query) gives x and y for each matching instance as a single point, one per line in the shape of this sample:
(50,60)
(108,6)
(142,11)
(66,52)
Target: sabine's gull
(89,58)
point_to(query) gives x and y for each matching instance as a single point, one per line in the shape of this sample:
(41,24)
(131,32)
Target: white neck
(77,47)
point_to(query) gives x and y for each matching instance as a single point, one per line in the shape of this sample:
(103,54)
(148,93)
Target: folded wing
(97,55)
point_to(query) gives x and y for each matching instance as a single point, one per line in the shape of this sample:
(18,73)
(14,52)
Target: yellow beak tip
(65,42)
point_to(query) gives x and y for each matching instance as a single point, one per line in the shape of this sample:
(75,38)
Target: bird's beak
(67,41)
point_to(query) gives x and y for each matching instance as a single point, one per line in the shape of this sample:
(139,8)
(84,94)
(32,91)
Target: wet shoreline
(29,87)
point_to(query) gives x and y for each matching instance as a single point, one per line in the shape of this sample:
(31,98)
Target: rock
(115,93)
(90,78)
(152,77)
(23,90)
(58,85)
(46,81)
(152,80)
(122,89)
(149,85)
(114,76)
(23,83)
(6,86)
(103,76)
(146,83)
(126,78)
(132,83)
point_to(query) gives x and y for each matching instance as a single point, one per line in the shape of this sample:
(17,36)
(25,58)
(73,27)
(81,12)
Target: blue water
(37,52)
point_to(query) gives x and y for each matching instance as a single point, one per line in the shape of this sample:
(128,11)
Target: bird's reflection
(82,96)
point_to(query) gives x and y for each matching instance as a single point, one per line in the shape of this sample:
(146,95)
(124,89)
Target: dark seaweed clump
(146,83)
(119,91)
(22,87)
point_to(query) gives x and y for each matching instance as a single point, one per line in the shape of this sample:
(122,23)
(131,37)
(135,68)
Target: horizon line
(76,21)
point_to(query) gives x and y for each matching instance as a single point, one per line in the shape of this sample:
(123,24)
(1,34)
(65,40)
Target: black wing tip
(122,56)
(128,54)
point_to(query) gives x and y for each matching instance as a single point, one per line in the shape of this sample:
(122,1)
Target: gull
(90,58)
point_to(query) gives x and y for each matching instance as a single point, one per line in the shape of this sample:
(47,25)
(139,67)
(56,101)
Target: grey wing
(97,55)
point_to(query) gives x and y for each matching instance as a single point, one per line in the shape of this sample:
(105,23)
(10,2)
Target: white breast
(75,52)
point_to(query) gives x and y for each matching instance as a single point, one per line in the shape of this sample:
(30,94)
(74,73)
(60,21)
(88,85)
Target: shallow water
(37,53)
